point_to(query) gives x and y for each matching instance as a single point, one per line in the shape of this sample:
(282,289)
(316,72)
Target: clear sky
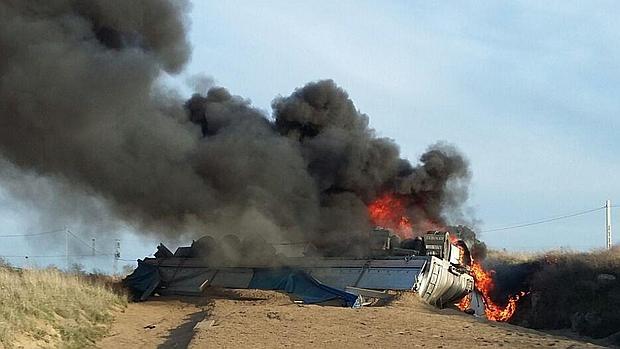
(528,90)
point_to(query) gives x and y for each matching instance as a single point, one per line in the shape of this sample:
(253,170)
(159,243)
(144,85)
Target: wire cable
(56,256)
(84,242)
(100,253)
(35,234)
(547,220)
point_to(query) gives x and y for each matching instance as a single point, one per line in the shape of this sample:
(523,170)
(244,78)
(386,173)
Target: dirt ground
(259,319)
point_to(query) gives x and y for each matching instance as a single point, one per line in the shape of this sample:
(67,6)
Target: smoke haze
(80,103)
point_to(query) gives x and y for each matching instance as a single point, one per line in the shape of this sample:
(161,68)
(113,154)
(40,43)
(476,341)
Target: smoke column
(80,103)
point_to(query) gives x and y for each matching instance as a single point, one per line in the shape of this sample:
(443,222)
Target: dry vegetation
(48,308)
(569,290)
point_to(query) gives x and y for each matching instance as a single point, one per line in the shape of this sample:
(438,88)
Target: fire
(389,211)
(483,281)
(464,303)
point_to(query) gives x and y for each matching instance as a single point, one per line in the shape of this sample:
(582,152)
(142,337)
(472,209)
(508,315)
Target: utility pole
(608,223)
(67,249)
(92,249)
(117,253)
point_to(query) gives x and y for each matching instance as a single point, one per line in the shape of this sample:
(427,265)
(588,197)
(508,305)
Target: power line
(56,256)
(75,236)
(98,253)
(85,243)
(557,218)
(35,234)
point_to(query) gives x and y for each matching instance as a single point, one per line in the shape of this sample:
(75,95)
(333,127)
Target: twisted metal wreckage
(432,266)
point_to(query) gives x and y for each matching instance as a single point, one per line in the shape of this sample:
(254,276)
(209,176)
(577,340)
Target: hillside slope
(48,308)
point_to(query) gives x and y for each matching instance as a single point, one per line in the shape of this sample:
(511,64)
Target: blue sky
(528,90)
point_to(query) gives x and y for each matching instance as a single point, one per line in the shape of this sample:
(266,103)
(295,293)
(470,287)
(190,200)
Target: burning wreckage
(165,163)
(435,266)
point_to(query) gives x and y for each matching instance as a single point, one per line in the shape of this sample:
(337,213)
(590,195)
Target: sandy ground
(259,319)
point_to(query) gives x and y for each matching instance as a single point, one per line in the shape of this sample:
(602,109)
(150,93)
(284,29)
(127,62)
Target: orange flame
(464,303)
(483,282)
(389,211)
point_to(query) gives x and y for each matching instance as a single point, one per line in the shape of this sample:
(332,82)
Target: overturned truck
(431,265)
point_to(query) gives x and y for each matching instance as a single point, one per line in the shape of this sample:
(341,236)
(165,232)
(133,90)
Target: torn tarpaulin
(299,284)
(146,279)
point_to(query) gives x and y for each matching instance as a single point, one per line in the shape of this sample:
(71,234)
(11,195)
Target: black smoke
(80,103)
(476,247)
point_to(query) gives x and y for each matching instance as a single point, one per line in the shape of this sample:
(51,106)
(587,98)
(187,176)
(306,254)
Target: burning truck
(312,170)
(434,265)
(437,265)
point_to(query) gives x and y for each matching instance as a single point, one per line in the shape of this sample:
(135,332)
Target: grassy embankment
(51,309)
(568,290)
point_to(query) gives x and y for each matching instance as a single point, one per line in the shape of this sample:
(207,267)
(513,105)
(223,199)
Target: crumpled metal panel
(389,278)
(187,280)
(233,277)
(338,278)
(184,281)
(388,274)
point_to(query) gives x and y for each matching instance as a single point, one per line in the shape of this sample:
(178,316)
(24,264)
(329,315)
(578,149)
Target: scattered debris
(205,324)
(273,315)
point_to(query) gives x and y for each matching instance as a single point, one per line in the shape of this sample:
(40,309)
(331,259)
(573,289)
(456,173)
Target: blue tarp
(300,284)
(145,279)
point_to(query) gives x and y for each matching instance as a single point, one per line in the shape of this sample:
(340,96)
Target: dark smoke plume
(477,248)
(80,102)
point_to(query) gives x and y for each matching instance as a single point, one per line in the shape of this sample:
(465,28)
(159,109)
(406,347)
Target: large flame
(483,282)
(389,211)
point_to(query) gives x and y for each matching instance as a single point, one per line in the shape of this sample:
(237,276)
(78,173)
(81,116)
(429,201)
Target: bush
(573,290)
(4,263)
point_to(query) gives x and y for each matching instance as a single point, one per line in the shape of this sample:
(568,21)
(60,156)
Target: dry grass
(569,290)
(49,308)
